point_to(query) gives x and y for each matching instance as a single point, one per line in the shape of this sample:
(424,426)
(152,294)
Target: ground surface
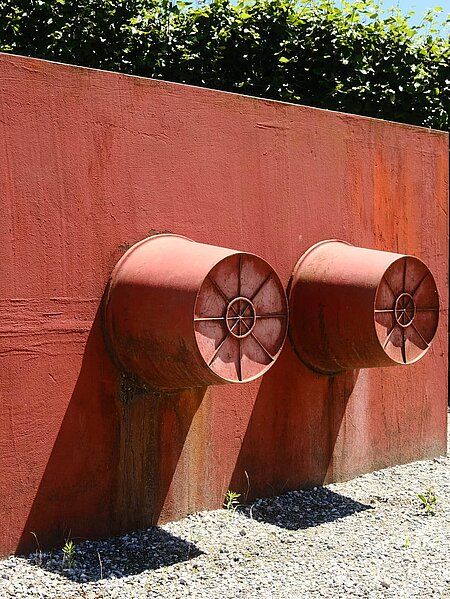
(370,537)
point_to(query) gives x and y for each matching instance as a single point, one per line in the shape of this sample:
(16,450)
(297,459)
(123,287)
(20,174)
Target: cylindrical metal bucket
(358,308)
(184,314)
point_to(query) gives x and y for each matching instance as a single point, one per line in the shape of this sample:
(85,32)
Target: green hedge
(357,59)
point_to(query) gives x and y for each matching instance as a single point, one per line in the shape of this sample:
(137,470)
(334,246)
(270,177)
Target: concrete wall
(90,163)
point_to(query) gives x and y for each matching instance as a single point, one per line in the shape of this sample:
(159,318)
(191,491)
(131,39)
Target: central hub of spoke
(405,309)
(240,317)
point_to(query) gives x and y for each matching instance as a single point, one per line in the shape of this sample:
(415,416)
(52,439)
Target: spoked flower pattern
(241,317)
(406,310)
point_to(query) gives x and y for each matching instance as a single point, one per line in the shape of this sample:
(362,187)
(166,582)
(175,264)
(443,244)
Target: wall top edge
(19,60)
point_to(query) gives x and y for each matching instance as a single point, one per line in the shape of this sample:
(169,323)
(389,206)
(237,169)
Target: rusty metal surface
(354,308)
(183,314)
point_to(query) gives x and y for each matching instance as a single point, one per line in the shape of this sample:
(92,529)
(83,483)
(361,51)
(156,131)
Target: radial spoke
(390,288)
(420,334)
(261,286)
(427,310)
(231,328)
(403,346)
(235,310)
(419,284)
(246,325)
(239,369)
(205,318)
(245,309)
(272,315)
(240,317)
(218,348)
(386,341)
(384,311)
(262,346)
(227,299)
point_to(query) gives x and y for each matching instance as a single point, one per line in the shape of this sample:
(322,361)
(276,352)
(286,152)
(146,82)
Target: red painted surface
(182,314)
(92,162)
(358,308)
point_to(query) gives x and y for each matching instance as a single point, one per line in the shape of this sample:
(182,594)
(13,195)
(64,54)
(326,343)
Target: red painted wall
(92,162)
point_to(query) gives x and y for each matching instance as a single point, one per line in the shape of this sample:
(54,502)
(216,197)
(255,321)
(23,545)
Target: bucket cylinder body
(358,308)
(183,314)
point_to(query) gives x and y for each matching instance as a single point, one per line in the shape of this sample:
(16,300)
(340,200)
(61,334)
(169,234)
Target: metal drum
(358,308)
(184,314)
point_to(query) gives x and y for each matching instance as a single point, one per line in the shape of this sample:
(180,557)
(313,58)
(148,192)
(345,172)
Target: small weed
(231,501)
(69,552)
(428,500)
(407,543)
(101,564)
(248,486)
(38,553)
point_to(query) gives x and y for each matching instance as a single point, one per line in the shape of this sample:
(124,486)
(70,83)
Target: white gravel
(369,537)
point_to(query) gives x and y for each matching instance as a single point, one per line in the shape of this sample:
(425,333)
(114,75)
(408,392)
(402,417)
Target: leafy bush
(357,58)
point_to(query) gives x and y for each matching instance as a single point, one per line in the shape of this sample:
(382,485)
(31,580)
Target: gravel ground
(369,537)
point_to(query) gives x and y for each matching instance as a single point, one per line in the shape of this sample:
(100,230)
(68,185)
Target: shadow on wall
(111,468)
(303,410)
(113,460)
(80,473)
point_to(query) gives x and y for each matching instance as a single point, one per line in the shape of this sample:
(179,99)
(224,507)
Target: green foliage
(231,501)
(428,500)
(358,58)
(69,552)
